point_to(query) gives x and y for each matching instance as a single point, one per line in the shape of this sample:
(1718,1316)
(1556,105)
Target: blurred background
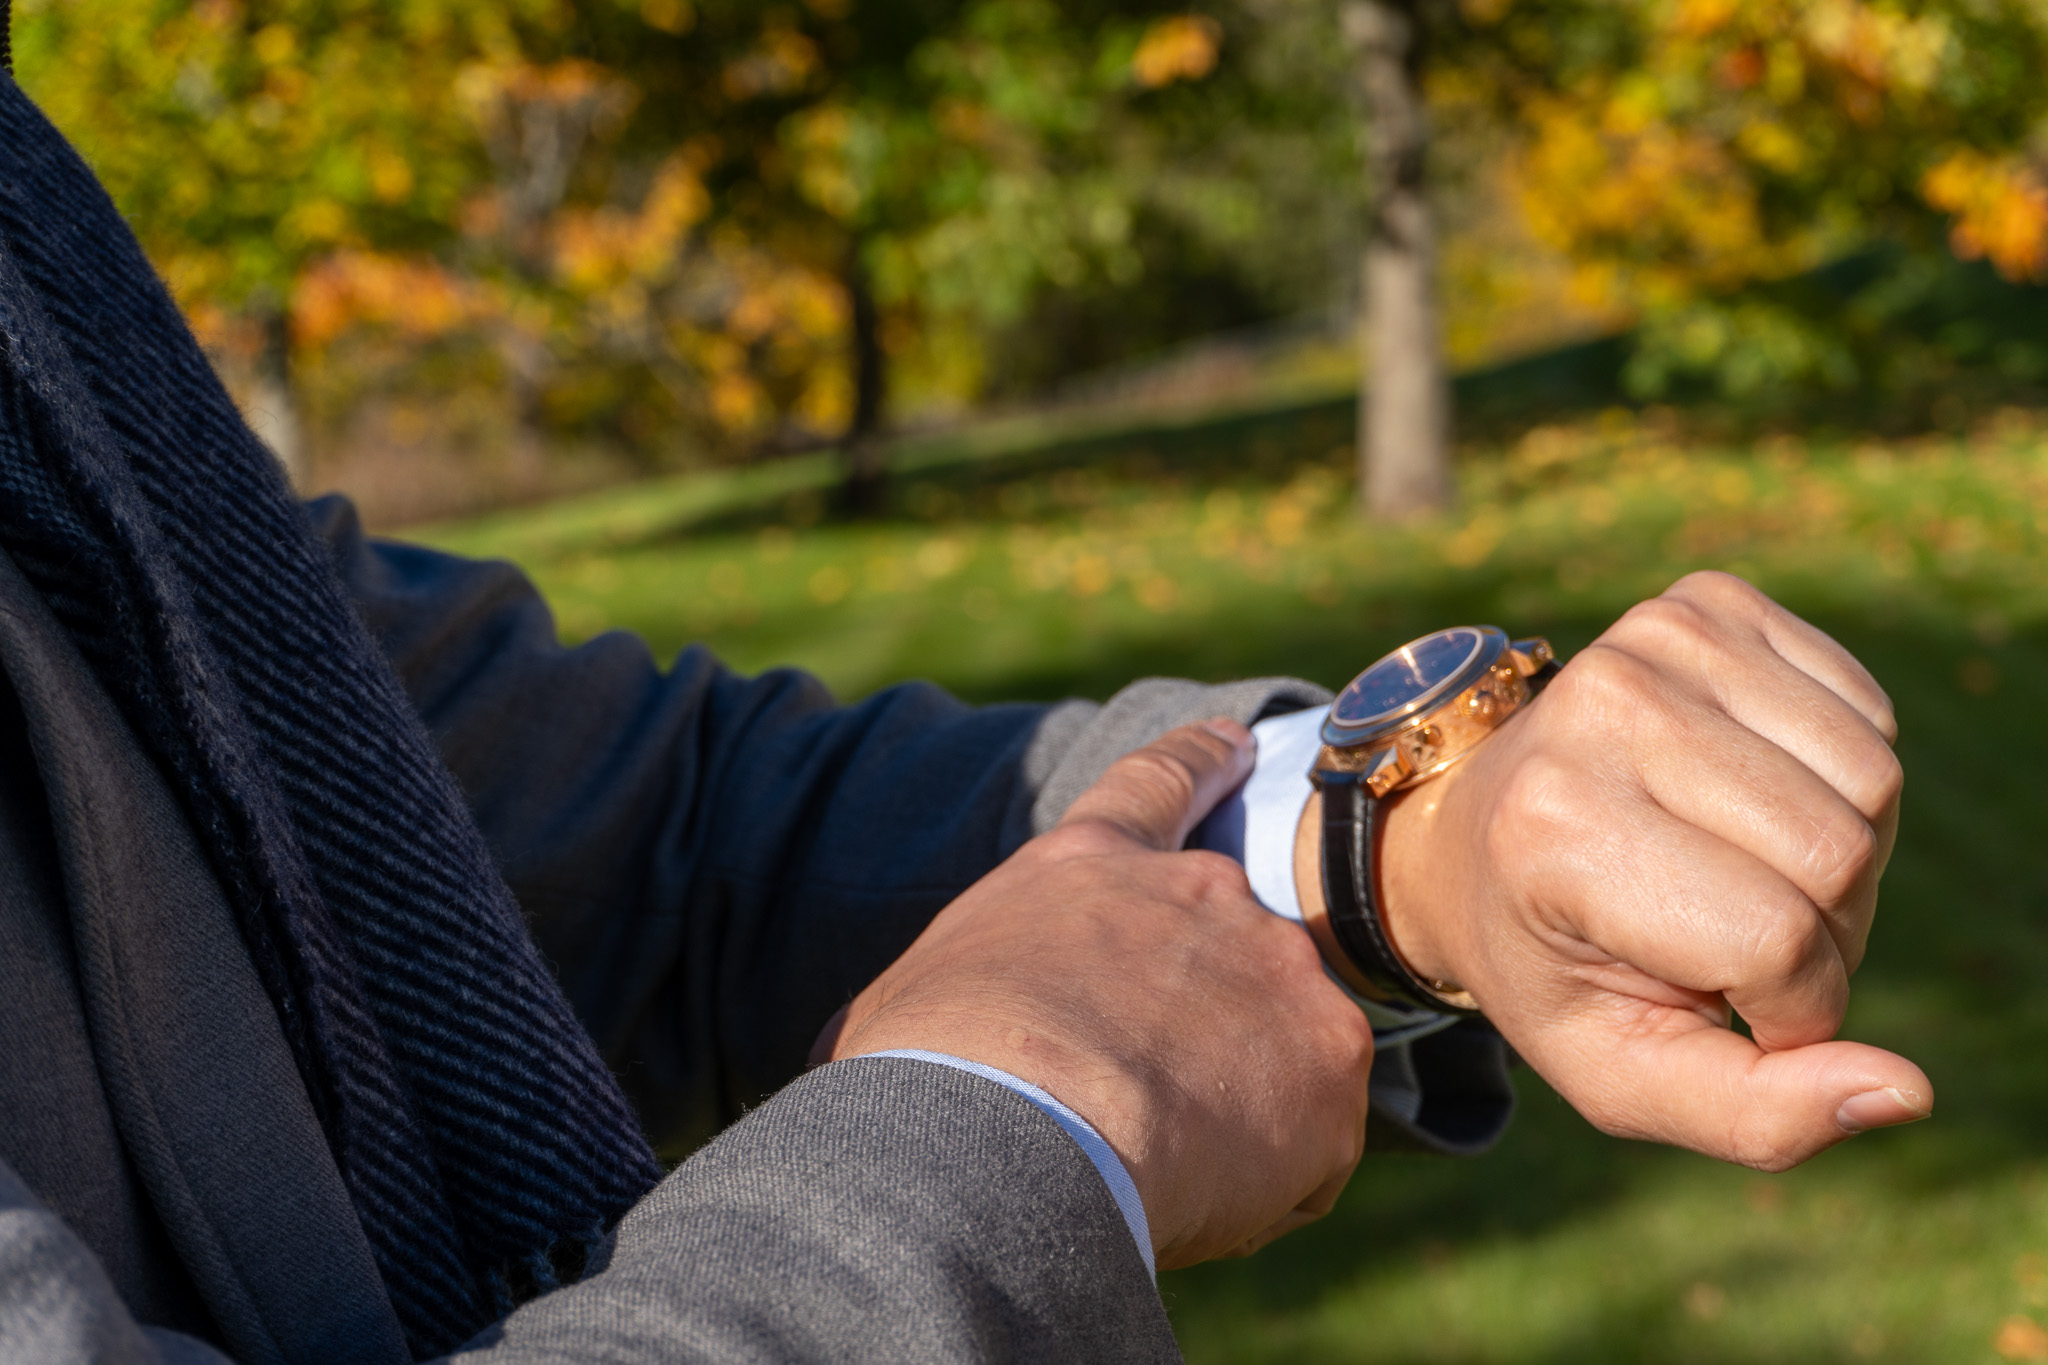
(1019,344)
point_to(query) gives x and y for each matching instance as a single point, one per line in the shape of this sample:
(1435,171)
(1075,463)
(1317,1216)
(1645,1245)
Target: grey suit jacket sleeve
(915,1213)
(714,864)
(876,1209)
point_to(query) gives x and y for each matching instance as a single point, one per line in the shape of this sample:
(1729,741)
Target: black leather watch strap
(1352,818)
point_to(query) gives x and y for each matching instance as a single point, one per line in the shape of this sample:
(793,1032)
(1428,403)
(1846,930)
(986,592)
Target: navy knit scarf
(485,1146)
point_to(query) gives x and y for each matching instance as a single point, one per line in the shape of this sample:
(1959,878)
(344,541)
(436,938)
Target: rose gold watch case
(1411,748)
(1414,747)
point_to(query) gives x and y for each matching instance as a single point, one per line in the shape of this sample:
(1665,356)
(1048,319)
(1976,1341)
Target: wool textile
(484,1144)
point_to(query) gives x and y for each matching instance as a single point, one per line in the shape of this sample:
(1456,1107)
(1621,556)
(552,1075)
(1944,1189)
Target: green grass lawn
(1227,551)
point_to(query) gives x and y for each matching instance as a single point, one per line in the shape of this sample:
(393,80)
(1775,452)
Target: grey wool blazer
(713,865)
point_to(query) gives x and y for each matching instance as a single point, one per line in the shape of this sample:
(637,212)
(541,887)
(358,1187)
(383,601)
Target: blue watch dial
(1408,679)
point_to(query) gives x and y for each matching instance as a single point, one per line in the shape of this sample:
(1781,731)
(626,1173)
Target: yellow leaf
(1181,47)
(390,176)
(274,44)
(669,16)
(2021,1338)
(1999,207)
(829,584)
(1771,145)
(1698,18)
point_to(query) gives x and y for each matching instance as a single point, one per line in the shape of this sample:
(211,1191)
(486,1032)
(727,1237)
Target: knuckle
(1303,958)
(1884,780)
(1350,1150)
(1292,949)
(1772,1159)
(1608,679)
(1542,802)
(1842,851)
(1197,739)
(1672,618)
(1158,771)
(1357,1040)
(1786,942)
(1722,593)
(1341,1057)
(1214,876)
(1083,838)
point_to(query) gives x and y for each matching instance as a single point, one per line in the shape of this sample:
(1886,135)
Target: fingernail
(1880,1109)
(1225,728)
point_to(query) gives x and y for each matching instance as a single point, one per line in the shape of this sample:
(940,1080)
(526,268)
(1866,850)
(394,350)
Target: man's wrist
(1259,826)
(1403,894)
(1411,885)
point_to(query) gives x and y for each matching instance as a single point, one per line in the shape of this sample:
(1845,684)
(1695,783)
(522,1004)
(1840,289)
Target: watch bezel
(1493,645)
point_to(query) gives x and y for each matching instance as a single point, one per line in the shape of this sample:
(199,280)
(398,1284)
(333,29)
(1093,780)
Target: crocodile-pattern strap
(1352,816)
(1351,831)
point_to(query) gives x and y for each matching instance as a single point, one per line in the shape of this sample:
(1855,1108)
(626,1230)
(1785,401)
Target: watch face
(1412,677)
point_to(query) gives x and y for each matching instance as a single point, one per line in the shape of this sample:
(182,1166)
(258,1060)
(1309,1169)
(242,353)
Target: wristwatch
(1401,722)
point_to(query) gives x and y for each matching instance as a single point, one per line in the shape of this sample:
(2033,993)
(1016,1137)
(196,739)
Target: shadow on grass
(977,477)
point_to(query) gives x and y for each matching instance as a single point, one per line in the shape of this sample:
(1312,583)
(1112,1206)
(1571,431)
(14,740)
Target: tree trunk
(1404,415)
(863,444)
(273,408)
(529,367)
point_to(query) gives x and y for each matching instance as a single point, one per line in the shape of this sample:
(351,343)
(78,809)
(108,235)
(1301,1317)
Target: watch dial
(1407,678)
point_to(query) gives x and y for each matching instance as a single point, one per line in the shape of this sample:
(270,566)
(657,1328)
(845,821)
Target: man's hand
(1693,816)
(1148,991)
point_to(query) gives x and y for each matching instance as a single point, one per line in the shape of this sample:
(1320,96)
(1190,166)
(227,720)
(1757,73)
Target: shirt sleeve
(1256,825)
(1439,1082)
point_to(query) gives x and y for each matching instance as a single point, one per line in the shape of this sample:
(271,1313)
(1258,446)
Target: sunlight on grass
(1005,578)
(1005,581)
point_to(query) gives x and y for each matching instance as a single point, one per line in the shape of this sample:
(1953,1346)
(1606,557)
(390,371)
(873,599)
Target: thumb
(1716,1092)
(1156,794)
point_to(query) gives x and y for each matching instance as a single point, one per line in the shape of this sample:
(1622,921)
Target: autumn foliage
(653,215)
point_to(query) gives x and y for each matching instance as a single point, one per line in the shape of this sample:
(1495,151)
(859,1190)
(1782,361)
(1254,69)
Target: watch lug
(1388,771)
(1531,656)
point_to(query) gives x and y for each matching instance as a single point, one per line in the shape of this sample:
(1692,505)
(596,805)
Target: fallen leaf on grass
(2021,1338)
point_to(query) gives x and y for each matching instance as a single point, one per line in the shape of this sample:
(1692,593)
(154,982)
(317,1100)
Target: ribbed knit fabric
(482,1140)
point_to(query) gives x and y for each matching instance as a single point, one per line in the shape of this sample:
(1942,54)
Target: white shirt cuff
(1256,825)
(1107,1163)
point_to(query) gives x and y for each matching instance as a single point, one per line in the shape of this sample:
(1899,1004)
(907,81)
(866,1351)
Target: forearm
(715,864)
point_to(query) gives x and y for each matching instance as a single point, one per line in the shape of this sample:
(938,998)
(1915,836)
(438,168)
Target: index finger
(1815,653)
(1800,643)
(1157,794)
